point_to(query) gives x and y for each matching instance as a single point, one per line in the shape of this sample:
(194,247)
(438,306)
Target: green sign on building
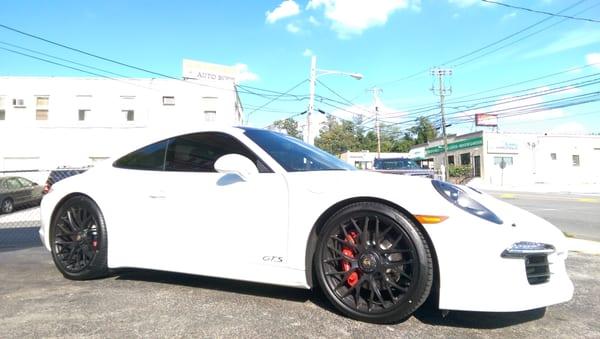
(467,143)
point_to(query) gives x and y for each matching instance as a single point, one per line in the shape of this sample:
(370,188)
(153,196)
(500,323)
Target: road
(36,301)
(576,215)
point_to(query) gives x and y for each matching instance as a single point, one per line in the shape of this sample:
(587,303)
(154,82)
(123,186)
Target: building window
(209,104)
(129,114)
(20,103)
(168,101)
(41,107)
(83,114)
(575,160)
(465,159)
(2,111)
(41,114)
(210,116)
(450,160)
(553,156)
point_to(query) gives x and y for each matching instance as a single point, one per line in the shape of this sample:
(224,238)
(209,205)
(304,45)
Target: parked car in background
(60,174)
(404,166)
(18,191)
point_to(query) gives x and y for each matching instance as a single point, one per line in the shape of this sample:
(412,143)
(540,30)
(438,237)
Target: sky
(393,43)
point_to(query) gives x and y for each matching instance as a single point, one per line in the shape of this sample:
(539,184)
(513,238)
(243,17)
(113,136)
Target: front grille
(537,269)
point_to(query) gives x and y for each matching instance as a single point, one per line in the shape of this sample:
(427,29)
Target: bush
(459,171)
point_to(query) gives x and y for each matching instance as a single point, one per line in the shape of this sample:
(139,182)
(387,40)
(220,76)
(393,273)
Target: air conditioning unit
(18,102)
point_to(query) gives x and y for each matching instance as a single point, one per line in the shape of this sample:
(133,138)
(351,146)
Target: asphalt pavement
(36,301)
(576,215)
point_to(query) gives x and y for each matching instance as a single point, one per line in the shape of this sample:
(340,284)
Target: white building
(50,122)
(365,159)
(518,159)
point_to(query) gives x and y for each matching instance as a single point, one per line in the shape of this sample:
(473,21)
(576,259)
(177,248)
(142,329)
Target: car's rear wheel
(78,239)
(7,206)
(373,263)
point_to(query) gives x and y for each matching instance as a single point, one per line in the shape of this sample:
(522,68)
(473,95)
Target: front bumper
(478,274)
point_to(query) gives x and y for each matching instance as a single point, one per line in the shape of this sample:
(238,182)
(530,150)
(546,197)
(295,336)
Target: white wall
(532,162)
(63,140)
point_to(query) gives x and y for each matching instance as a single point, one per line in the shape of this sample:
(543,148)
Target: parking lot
(36,301)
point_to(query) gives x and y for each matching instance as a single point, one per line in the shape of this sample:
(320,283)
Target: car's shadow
(478,320)
(427,314)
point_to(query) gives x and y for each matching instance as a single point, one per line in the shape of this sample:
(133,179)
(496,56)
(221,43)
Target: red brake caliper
(353,278)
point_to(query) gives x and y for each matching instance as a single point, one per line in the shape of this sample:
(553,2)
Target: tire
(373,263)
(78,239)
(7,206)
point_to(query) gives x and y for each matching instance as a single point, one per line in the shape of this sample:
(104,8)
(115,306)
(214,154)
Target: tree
(424,131)
(290,126)
(338,137)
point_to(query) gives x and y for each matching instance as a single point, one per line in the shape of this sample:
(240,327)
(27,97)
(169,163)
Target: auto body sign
(193,69)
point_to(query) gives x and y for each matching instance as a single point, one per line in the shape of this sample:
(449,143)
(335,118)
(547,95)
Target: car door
(219,224)
(131,202)
(32,192)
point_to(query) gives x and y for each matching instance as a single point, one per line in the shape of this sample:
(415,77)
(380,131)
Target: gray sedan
(17,191)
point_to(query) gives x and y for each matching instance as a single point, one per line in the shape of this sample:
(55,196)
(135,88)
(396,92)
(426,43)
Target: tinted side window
(198,152)
(13,183)
(24,182)
(151,157)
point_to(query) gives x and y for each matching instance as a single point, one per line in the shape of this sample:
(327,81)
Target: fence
(20,196)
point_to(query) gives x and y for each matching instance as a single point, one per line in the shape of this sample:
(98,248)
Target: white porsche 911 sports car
(255,205)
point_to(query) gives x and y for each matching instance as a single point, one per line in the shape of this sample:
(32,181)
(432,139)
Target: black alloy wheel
(78,239)
(373,263)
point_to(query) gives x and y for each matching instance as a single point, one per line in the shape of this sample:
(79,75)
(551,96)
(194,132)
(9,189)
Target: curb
(583,246)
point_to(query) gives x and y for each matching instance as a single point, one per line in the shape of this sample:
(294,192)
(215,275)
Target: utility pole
(311,101)
(440,73)
(314,73)
(376,104)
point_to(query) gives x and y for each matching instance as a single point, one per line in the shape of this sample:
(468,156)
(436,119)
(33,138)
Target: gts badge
(274,259)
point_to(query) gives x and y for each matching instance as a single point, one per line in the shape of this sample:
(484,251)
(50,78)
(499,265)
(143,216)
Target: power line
(540,12)
(274,99)
(481,48)
(522,38)
(73,68)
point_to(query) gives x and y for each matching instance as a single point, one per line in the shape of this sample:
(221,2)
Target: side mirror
(236,164)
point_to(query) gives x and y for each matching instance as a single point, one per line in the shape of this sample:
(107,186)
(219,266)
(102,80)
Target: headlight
(461,199)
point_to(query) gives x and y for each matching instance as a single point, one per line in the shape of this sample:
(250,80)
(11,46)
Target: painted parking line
(592,200)
(507,196)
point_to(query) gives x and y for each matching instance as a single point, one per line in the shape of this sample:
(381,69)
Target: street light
(314,73)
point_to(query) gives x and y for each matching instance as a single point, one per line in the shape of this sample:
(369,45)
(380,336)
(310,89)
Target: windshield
(390,164)
(293,154)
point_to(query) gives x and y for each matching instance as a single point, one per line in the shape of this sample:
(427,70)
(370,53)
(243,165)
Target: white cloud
(314,21)
(285,9)
(508,16)
(308,52)
(352,17)
(569,128)
(292,28)
(244,73)
(593,59)
(570,40)
(464,3)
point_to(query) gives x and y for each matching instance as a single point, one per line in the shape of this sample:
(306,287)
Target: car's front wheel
(373,263)
(78,239)
(7,206)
